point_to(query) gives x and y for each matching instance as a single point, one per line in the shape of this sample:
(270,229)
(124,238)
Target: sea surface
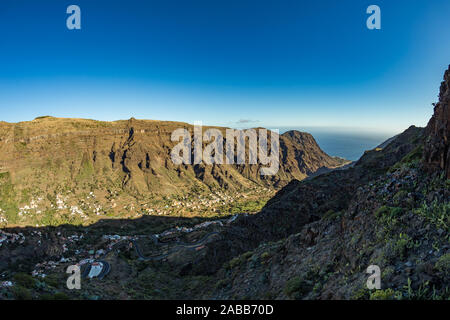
(348,145)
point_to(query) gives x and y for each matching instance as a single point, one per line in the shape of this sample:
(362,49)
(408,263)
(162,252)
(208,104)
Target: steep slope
(302,156)
(303,202)
(437,151)
(392,209)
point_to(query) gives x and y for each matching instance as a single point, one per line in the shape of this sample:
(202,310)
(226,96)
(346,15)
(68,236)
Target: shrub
(239,260)
(399,196)
(42,117)
(388,212)
(443,264)
(402,244)
(361,294)
(387,218)
(381,211)
(21,293)
(234,263)
(52,280)
(437,213)
(331,215)
(247,255)
(25,280)
(221,284)
(265,255)
(46,296)
(60,296)
(296,288)
(387,294)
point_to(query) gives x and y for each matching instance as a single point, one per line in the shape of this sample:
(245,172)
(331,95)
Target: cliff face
(436,151)
(137,154)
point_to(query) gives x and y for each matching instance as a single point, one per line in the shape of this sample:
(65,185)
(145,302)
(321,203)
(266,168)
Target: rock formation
(437,152)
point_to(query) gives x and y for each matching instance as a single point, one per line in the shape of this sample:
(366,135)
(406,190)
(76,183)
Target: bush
(331,215)
(46,296)
(436,213)
(400,196)
(387,218)
(296,288)
(42,117)
(390,212)
(247,255)
(60,296)
(221,284)
(265,255)
(53,280)
(233,263)
(443,264)
(361,294)
(387,294)
(24,280)
(402,244)
(21,293)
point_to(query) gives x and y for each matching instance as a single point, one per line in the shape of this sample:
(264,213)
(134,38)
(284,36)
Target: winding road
(180,245)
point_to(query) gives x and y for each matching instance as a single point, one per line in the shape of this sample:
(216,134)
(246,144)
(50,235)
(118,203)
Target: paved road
(106,269)
(180,245)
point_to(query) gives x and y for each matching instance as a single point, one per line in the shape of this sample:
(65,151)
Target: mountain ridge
(129,161)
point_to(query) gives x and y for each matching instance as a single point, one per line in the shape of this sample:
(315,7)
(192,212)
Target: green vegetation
(42,117)
(419,294)
(25,280)
(331,215)
(239,260)
(402,244)
(387,294)
(386,213)
(297,287)
(387,218)
(250,206)
(437,214)
(265,255)
(361,294)
(443,264)
(422,291)
(410,160)
(60,296)
(8,197)
(401,194)
(21,293)
(87,169)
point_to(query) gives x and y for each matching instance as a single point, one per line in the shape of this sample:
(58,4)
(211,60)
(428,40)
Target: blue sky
(233,63)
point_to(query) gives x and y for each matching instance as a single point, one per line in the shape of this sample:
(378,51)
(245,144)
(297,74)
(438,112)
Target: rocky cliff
(437,151)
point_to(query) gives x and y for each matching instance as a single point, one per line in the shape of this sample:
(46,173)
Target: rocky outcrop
(436,151)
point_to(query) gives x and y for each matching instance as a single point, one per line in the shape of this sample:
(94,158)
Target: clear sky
(234,62)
